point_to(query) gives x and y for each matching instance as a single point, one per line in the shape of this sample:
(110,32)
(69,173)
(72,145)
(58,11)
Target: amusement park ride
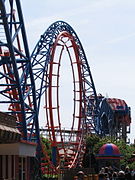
(25,77)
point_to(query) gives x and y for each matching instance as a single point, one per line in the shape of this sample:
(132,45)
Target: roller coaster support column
(32,80)
(54,154)
(17,82)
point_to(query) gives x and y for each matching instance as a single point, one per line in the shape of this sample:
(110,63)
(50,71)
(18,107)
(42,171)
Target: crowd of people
(108,173)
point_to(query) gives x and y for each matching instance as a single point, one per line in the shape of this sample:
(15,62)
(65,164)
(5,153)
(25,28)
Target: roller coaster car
(114,114)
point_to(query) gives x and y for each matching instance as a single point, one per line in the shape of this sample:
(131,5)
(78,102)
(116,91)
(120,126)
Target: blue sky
(106,29)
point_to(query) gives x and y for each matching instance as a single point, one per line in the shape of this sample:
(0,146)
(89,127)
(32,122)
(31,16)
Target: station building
(15,154)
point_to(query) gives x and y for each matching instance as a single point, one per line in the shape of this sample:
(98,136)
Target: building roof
(8,131)
(9,134)
(117,104)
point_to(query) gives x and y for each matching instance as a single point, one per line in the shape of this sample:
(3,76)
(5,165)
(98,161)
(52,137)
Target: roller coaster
(25,78)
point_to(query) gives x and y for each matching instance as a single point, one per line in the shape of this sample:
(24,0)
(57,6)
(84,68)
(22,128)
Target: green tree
(92,140)
(95,142)
(47,144)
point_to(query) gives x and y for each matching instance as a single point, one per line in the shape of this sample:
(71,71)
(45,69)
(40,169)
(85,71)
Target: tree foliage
(47,145)
(126,150)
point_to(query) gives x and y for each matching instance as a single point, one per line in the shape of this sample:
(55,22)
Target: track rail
(46,71)
(24,78)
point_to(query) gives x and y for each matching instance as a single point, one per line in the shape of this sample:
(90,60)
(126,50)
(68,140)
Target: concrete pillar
(4,166)
(16,167)
(9,167)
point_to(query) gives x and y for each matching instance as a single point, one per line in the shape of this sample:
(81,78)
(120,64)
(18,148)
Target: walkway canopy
(109,151)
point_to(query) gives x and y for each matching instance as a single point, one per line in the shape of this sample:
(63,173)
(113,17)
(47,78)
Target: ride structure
(25,79)
(115,118)
(17,83)
(59,37)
